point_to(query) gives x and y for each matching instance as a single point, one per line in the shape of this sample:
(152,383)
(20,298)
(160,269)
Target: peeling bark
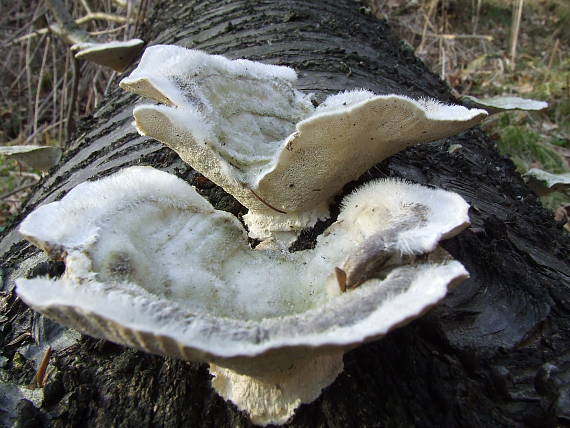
(495,353)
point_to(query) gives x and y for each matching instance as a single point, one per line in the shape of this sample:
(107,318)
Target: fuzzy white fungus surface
(243,125)
(151,264)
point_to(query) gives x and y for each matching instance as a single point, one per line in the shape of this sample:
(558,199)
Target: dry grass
(38,103)
(495,47)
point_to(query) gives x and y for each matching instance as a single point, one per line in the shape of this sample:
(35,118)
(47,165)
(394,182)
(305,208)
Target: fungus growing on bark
(151,264)
(36,157)
(117,55)
(244,126)
(500,104)
(543,182)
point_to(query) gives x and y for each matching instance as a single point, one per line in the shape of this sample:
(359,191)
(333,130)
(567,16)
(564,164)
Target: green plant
(526,148)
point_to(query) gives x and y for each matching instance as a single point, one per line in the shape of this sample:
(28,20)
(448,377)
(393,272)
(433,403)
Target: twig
(120,3)
(476,16)
(553,53)
(102,16)
(40,374)
(28,70)
(517,16)
(109,31)
(39,86)
(110,83)
(42,129)
(83,20)
(25,69)
(32,175)
(453,36)
(443,60)
(55,84)
(267,204)
(427,22)
(63,98)
(141,16)
(85,6)
(16,190)
(72,101)
(67,28)
(129,14)
(24,28)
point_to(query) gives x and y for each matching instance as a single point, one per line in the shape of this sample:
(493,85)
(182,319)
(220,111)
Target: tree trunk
(494,353)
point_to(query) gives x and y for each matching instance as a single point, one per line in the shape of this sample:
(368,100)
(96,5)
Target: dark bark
(495,353)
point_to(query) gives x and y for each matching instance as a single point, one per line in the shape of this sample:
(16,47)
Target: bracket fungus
(244,126)
(37,157)
(543,182)
(500,104)
(151,264)
(118,55)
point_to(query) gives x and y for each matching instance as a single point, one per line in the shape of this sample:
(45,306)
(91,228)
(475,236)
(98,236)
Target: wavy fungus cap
(151,264)
(244,126)
(118,55)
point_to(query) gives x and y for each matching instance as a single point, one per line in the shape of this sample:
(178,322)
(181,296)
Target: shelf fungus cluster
(244,126)
(151,264)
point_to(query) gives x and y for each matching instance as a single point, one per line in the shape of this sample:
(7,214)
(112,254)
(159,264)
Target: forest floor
(468,43)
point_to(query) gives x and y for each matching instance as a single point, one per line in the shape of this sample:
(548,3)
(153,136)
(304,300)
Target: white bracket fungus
(543,182)
(500,104)
(36,157)
(151,264)
(244,126)
(117,55)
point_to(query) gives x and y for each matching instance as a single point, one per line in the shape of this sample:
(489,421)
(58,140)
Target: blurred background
(486,48)
(481,48)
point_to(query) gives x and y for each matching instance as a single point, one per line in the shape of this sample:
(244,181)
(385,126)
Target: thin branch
(96,16)
(40,374)
(16,190)
(85,6)
(109,31)
(453,36)
(63,99)
(42,129)
(55,83)
(266,203)
(73,100)
(101,16)
(39,86)
(67,28)
(24,69)
(516,24)
(141,16)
